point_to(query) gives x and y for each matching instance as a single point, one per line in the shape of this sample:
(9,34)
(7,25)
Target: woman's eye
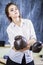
(11,9)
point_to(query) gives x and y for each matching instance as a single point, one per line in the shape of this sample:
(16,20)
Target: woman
(19,26)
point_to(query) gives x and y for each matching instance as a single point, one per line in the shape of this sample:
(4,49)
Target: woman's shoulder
(10,26)
(28,21)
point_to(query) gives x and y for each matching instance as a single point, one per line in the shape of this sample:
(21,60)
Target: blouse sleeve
(32,31)
(10,36)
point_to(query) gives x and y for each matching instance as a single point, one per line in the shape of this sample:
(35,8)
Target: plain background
(30,9)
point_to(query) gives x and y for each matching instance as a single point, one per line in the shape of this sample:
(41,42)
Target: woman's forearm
(29,43)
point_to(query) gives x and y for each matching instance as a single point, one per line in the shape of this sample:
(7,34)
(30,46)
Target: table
(5,50)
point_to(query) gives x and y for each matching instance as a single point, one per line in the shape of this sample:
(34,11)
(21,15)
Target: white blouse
(26,29)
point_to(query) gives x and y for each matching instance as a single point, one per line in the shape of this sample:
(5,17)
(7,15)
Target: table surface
(37,59)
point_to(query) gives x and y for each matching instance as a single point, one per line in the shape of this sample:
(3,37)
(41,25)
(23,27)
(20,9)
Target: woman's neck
(17,21)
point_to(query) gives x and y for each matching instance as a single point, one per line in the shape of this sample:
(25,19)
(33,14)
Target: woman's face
(13,11)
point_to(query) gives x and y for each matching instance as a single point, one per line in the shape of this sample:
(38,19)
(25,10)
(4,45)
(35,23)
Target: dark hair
(6,10)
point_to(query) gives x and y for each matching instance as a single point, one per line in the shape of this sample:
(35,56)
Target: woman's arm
(29,43)
(10,36)
(32,36)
